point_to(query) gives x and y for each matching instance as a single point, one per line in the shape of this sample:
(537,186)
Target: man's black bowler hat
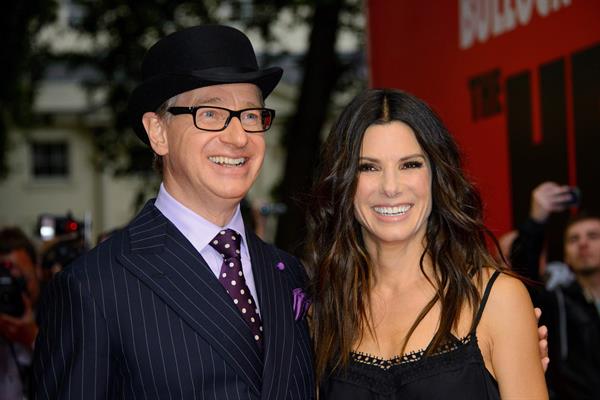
(192,58)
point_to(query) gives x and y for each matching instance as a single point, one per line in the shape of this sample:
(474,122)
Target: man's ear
(157,133)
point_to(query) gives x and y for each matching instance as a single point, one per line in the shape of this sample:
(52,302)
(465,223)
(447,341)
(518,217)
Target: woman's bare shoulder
(508,300)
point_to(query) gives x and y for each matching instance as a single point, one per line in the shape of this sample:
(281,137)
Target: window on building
(75,14)
(50,159)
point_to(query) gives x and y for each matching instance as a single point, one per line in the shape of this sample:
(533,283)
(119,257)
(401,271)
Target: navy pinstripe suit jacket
(141,316)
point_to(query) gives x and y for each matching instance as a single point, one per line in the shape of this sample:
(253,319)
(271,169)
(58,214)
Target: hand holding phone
(575,199)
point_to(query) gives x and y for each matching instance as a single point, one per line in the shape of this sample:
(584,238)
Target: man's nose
(235,134)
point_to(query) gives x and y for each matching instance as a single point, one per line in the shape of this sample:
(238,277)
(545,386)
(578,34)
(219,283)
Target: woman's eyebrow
(408,157)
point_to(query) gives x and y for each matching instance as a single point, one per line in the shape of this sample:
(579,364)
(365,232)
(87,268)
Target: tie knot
(227,242)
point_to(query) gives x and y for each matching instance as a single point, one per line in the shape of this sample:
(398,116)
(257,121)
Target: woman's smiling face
(393,195)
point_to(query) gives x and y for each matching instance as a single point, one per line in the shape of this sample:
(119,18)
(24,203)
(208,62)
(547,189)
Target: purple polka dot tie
(227,243)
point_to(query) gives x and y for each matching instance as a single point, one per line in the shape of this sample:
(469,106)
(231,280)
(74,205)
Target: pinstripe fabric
(141,316)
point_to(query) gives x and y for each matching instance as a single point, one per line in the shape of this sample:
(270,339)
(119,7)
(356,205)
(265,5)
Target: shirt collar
(194,227)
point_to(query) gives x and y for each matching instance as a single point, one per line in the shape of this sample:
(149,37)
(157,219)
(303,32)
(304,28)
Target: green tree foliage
(122,31)
(22,63)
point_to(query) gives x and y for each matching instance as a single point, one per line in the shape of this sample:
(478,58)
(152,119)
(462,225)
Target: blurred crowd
(25,269)
(567,290)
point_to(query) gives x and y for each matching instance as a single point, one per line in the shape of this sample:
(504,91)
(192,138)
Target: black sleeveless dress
(454,371)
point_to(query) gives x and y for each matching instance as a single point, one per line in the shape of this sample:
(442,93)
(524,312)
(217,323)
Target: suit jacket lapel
(275,300)
(166,261)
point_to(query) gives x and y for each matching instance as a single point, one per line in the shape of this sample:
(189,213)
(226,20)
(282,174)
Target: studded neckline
(407,358)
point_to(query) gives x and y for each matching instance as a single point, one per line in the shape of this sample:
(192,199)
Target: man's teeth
(392,210)
(227,160)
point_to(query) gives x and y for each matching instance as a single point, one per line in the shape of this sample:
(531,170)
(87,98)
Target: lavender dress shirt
(200,232)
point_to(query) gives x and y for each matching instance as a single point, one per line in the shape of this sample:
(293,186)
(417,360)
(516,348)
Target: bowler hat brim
(149,95)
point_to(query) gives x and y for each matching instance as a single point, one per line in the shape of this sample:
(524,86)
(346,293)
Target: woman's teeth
(227,160)
(399,210)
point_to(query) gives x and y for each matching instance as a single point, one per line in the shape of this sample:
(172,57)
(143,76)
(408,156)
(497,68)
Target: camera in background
(64,240)
(575,199)
(11,291)
(52,226)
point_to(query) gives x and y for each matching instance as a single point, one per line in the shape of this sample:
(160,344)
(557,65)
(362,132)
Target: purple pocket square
(301,303)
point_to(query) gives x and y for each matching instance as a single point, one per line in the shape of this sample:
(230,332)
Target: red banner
(516,81)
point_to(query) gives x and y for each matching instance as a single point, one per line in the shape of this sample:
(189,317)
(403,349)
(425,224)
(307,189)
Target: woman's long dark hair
(338,264)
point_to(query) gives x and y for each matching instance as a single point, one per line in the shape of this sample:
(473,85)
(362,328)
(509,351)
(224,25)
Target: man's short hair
(582,215)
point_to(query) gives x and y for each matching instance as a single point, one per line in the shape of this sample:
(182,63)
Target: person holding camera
(19,291)
(571,310)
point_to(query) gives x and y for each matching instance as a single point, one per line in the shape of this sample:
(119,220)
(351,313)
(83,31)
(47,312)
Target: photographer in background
(571,310)
(19,292)
(63,240)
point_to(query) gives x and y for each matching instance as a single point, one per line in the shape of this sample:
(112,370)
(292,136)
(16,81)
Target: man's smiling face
(207,170)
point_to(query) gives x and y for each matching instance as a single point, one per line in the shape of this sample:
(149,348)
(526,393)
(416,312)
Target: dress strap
(484,298)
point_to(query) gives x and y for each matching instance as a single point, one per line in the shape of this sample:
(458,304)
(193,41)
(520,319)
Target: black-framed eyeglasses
(215,119)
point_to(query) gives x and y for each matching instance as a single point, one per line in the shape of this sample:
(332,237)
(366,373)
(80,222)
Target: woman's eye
(366,167)
(412,164)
